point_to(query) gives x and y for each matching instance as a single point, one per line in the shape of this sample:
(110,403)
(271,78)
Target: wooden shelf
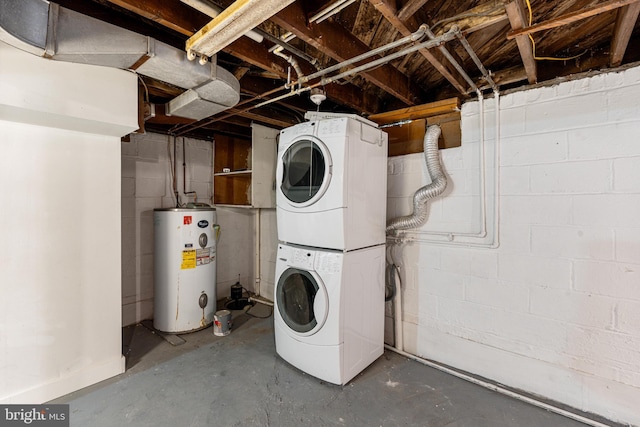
(251,165)
(248,172)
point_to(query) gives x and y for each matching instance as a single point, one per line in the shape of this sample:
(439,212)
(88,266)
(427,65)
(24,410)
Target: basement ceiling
(519,42)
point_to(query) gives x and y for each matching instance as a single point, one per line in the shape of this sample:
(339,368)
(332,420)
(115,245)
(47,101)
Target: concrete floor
(238,380)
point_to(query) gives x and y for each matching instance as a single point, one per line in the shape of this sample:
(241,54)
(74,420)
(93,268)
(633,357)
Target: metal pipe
(419,34)
(294,63)
(175,181)
(469,239)
(281,44)
(178,129)
(449,35)
(424,45)
(452,60)
(330,11)
(476,60)
(184,172)
(260,301)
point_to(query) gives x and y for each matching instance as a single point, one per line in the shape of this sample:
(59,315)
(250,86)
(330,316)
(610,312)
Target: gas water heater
(184,268)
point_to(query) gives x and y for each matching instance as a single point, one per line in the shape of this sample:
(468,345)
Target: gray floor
(238,380)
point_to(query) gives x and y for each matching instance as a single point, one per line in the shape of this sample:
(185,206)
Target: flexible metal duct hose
(429,191)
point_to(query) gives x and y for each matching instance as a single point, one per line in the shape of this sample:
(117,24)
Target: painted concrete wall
(60,327)
(554,310)
(147,184)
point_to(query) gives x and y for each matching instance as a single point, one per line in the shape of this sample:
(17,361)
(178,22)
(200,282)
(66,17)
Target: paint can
(222,323)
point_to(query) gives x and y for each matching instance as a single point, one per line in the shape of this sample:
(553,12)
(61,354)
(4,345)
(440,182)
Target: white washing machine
(329,310)
(331,183)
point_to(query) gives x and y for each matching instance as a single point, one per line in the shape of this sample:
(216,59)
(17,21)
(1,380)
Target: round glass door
(306,169)
(301,301)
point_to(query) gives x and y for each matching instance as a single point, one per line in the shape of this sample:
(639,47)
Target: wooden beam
(264,119)
(571,17)
(387,9)
(172,15)
(418,112)
(517,19)
(479,17)
(335,41)
(625,22)
(410,8)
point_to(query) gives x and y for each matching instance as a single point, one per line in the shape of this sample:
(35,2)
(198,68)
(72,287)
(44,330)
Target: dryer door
(302,302)
(304,171)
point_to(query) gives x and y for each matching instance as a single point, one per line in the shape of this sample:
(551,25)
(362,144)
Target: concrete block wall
(553,310)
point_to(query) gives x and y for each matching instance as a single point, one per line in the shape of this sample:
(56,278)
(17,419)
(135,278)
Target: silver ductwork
(48,30)
(429,191)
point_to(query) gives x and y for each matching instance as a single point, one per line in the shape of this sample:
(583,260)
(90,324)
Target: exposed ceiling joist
(625,22)
(571,17)
(175,16)
(336,42)
(516,14)
(387,9)
(263,118)
(479,17)
(410,8)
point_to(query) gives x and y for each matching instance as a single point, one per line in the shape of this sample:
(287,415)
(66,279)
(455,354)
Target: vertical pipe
(257,252)
(452,60)
(397,312)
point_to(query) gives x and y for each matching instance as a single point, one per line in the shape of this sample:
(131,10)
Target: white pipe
(330,11)
(501,390)
(257,254)
(397,311)
(260,301)
(453,238)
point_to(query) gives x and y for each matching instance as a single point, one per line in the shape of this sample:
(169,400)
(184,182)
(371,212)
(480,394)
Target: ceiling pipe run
(48,30)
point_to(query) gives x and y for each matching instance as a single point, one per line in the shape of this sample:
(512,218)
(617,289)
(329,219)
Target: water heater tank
(184,268)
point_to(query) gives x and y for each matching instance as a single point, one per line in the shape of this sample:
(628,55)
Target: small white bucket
(222,323)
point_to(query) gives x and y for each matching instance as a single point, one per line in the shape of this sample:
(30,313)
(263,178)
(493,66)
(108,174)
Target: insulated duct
(429,191)
(48,30)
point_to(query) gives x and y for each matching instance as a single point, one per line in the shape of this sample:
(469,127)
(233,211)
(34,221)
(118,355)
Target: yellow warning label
(188,259)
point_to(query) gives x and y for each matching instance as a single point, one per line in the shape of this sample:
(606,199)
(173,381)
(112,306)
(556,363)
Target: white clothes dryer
(331,183)
(329,310)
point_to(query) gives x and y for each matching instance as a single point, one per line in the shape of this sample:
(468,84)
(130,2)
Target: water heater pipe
(184,172)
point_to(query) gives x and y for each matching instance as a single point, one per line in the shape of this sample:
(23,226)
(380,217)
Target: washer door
(305,171)
(302,301)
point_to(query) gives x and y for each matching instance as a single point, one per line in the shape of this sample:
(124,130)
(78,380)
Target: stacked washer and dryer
(331,180)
